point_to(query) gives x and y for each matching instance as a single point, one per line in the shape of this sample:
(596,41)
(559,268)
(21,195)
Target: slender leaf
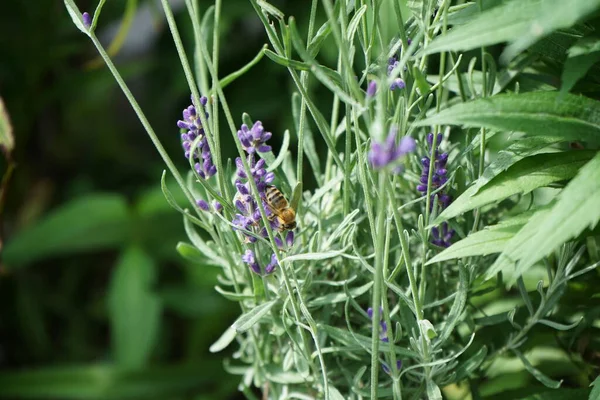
(105,382)
(226,338)
(577,208)
(569,117)
(339,297)
(582,55)
(93,222)
(513,153)
(7,139)
(135,312)
(523,177)
(247,320)
(518,22)
(545,380)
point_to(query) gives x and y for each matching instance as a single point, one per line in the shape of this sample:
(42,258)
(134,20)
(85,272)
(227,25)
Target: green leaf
(559,394)
(559,326)
(226,338)
(345,337)
(517,151)
(90,223)
(569,117)
(310,150)
(105,382)
(313,256)
(582,55)
(490,240)
(521,23)
(135,311)
(523,177)
(577,208)
(454,316)
(595,394)
(247,320)
(286,62)
(433,391)
(464,369)
(338,297)
(537,374)
(7,139)
(76,16)
(191,253)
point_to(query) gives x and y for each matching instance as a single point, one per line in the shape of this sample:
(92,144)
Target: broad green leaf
(247,320)
(90,223)
(595,394)
(519,22)
(226,338)
(569,117)
(517,151)
(135,311)
(490,240)
(582,55)
(7,139)
(105,382)
(523,177)
(545,380)
(338,297)
(577,208)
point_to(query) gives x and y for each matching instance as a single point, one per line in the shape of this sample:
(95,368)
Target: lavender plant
(386,287)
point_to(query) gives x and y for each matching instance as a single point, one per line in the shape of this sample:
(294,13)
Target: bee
(280,208)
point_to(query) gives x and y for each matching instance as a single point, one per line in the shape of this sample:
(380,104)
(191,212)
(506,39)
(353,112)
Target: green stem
(378,284)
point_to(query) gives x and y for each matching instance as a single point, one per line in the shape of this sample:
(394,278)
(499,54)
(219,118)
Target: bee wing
(296,196)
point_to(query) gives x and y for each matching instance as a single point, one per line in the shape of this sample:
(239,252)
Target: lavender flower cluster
(386,153)
(248,219)
(192,125)
(440,236)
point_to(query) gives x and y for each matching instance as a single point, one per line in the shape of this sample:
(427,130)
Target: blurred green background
(95,302)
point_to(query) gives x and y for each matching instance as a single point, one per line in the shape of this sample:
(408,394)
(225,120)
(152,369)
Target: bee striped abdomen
(275,198)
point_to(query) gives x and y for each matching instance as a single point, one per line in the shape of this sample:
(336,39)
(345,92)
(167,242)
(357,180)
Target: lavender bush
(389,286)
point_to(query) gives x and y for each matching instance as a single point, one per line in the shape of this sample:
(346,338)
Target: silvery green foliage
(381,293)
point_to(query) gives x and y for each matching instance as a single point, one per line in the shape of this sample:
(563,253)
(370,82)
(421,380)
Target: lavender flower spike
(194,135)
(254,139)
(383,154)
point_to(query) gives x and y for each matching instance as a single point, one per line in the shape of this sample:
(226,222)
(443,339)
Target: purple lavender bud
(289,238)
(269,177)
(203,205)
(372,88)
(272,265)
(218,206)
(407,145)
(387,370)
(87,20)
(422,188)
(370,312)
(383,154)
(397,84)
(249,259)
(278,242)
